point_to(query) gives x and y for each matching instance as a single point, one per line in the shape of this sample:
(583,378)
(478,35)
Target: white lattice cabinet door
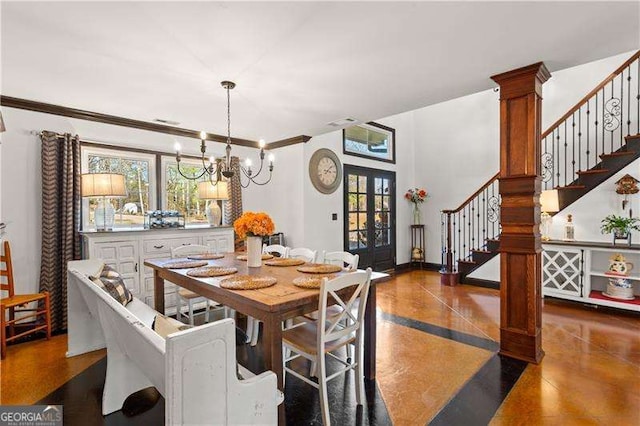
(124,257)
(562,271)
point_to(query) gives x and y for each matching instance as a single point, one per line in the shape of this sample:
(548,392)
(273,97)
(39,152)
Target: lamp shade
(2,128)
(103,185)
(549,201)
(219,191)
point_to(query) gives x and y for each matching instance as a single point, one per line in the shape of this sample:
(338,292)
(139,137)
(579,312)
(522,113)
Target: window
(139,172)
(371,140)
(181,194)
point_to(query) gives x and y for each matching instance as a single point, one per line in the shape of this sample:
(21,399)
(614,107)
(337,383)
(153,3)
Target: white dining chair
(281,251)
(343,258)
(304,253)
(253,325)
(318,340)
(187,296)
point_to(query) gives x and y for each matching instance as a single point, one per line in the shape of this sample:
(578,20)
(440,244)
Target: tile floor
(590,374)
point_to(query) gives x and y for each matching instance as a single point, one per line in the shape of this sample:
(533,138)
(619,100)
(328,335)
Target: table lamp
(106,186)
(213,193)
(548,204)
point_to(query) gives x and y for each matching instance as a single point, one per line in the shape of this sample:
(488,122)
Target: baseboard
(478,282)
(416,266)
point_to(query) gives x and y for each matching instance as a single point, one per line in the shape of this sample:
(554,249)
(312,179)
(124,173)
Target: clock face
(325,171)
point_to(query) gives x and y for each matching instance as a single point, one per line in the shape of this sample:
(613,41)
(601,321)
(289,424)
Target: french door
(370,216)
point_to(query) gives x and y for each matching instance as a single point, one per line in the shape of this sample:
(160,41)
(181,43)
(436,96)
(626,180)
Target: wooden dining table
(271,305)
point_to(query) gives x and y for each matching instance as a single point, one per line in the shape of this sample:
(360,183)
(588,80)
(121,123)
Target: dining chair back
(343,258)
(278,249)
(187,296)
(332,331)
(12,301)
(304,253)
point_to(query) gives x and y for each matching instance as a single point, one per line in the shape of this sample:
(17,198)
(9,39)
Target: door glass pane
(353,183)
(353,221)
(385,202)
(362,239)
(362,221)
(353,240)
(377,202)
(362,203)
(362,184)
(378,186)
(353,202)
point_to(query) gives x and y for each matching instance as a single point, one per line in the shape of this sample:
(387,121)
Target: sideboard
(576,271)
(127,250)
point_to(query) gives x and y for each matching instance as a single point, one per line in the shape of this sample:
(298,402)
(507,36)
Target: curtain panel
(233,208)
(60,218)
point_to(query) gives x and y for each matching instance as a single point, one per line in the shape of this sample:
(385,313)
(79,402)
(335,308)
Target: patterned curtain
(233,207)
(60,218)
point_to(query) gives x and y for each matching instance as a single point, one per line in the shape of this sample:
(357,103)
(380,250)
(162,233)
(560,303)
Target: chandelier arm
(191,177)
(265,182)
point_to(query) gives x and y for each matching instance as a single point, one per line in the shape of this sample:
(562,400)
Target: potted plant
(621,227)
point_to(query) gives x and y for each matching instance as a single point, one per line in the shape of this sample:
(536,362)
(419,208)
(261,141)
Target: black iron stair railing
(578,152)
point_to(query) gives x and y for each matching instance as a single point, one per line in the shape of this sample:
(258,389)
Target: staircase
(586,146)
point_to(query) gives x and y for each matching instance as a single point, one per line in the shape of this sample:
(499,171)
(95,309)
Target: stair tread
(617,154)
(482,251)
(570,187)
(471,262)
(592,171)
(633,136)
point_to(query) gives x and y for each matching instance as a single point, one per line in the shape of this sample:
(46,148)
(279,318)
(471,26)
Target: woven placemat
(290,261)
(247,282)
(319,268)
(311,282)
(183,264)
(265,256)
(207,256)
(211,271)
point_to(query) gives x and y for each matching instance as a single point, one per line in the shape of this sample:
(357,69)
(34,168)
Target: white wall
(320,231)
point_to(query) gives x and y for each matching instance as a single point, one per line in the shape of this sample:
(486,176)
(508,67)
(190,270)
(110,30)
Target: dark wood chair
(13,301)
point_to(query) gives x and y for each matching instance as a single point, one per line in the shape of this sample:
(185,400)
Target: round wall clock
(325,171)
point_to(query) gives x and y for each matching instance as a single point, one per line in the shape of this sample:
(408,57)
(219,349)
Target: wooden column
(519,182)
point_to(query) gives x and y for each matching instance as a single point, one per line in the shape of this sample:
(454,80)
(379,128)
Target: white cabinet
(576,271)
(127,251)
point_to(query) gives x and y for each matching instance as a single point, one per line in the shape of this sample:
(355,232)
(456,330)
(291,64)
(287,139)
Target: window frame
(391,132)
(166,161)
(129,154)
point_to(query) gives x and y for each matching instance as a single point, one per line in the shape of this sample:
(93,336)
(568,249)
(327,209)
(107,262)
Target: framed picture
(370,140)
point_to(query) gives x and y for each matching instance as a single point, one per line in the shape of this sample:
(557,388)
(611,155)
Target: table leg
(158,292)
(273,355)
(370,335)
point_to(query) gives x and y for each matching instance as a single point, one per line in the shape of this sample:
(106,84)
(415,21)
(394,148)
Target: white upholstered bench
(194,369)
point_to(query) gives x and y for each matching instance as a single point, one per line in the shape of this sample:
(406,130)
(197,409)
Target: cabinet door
(562,271)
(123,256)
(222,243)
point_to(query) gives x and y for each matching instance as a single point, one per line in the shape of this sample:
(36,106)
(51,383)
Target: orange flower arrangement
(253,225)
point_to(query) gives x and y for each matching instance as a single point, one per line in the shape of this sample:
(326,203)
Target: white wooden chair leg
(360,394)
(250,321)
(324,397)
(349,352)
(255,332)
(312,369)
(190,311)
(178,307)
(206,312)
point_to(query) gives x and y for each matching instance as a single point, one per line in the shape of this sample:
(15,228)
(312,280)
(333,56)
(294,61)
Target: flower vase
(416,215)
(254,252)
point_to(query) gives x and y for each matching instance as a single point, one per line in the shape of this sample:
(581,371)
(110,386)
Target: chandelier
(217,168)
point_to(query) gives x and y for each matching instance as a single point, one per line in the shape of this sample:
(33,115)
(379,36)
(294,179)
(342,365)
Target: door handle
(186,244)
(158,247)
(136,267)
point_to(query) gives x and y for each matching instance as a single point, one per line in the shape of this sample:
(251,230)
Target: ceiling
(298,66)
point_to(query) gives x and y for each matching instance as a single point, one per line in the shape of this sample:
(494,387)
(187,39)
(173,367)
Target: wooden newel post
(519,183)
